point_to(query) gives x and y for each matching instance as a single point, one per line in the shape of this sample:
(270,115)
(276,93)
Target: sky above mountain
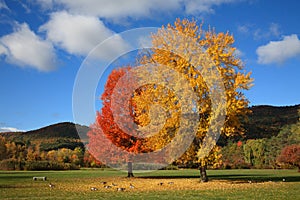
(44,43)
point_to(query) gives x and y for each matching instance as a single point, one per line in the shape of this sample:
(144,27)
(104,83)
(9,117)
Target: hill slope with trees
(268,130)
(267,121)
(52,137)
(263,122)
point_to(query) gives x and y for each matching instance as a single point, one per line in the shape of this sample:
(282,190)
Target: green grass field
(176,184)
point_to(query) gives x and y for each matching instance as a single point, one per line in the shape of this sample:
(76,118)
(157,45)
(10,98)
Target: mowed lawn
(162,184)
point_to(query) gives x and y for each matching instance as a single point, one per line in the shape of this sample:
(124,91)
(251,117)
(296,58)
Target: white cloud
(118,9)
(77,28)
(45,4)
(109,9)
(79,34)
(3,5)
(238,53)
(24,48)
(10,129)
(3,50)
(279,51)
(203,6)
(145,41)
(244,28)
(274,29)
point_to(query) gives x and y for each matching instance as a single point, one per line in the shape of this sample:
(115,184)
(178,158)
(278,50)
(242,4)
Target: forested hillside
(53,137)
(263,122)
(268,130)
(267,121)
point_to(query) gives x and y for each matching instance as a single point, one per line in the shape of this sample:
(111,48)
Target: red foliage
(239,143)
(291,155)
(90,161)
(113,136)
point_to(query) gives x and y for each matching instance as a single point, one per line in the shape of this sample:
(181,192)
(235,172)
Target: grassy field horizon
(161,184)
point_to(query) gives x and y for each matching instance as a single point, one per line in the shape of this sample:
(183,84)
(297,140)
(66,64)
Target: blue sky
(44,42)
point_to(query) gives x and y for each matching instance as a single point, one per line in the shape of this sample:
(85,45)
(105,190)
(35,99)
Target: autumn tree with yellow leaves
(188,89)
(176,47)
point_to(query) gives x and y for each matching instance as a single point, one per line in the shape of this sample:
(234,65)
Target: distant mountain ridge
(264,122)
(52,137)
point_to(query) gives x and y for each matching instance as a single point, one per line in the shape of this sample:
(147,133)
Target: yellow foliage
(219,48)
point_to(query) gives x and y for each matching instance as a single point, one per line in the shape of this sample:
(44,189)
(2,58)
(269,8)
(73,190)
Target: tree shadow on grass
(255,178)
(9,177)
(6,186)
(166,177)
(239,178)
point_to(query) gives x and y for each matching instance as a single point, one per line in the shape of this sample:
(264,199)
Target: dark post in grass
(130,174)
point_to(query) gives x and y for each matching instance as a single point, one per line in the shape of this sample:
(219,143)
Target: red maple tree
(291,155)
(113,136)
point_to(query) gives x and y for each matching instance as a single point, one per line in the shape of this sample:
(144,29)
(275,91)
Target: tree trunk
(130,173)
(203,174)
